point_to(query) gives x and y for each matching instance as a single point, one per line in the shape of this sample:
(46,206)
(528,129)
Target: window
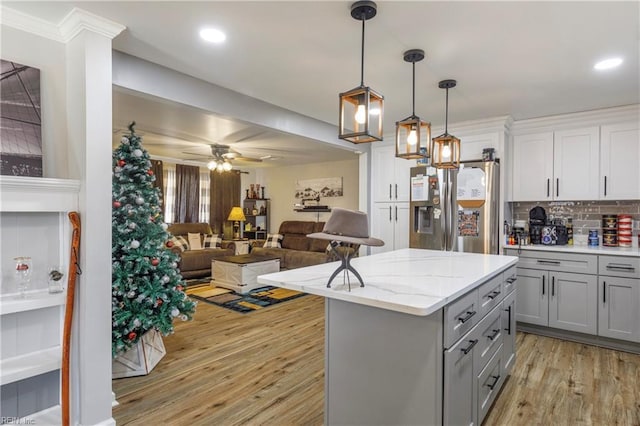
(203,210)
(169,173)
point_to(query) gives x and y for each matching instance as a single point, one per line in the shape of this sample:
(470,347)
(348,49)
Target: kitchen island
(428,340)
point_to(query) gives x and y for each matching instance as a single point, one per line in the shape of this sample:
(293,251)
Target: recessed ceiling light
(212,35)
(608,64)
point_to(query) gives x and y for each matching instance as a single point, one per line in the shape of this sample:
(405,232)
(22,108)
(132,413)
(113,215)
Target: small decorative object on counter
(569,231)
(609,221)
(54,278)
(625,231)
(262,189)
(488,154)
(610,238)
(593,238)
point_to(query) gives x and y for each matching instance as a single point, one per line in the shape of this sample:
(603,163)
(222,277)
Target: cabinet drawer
(460,317)
(561,262)
(490,335)
(619,266)
(510,277)
(490,294)
(489,383)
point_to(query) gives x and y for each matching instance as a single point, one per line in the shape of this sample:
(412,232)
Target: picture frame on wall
(20,124)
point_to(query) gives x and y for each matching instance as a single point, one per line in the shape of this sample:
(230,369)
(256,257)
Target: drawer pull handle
(468,317)
(495,382)
(549,262)
(604,292)
(493,294)
(512,280)
(623,268)
(496,331)
(468,348)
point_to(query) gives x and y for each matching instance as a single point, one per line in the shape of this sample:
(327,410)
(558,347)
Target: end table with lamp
(237,216)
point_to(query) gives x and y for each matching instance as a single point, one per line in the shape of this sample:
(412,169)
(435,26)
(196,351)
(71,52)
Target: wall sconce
(361,108)
(413,136)
(237,216)
(445,149)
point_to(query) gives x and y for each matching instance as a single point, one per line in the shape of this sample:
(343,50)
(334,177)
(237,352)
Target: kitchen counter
(412,281)
(397,350)
(582,249)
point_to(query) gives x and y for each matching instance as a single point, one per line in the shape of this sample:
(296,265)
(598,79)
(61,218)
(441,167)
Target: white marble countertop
(412,281)
(582,249)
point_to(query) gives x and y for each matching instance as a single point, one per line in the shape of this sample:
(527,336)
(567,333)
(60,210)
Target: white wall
(49,57)
(280,185)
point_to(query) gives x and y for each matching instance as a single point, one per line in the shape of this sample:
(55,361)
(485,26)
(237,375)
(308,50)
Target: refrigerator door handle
(396,213)
(389,213)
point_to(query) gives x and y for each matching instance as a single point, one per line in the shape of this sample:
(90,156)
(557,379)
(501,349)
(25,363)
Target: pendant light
(361,108)
(445,149)
(413,135)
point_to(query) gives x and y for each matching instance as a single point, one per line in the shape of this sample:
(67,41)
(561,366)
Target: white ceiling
(524,59)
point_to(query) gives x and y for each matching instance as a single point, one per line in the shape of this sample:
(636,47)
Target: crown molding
(30,24)
(79,19)
(69,27)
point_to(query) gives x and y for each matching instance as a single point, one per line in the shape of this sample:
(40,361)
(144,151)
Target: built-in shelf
(48,416)
(11,303)
(30,364)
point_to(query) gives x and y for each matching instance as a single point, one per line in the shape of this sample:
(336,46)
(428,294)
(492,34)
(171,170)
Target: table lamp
(237,216)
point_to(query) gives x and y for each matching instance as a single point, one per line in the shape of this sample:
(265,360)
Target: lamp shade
(236,214)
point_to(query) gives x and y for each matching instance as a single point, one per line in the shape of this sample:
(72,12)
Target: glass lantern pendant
(445,149)
(412,134)
(361,108)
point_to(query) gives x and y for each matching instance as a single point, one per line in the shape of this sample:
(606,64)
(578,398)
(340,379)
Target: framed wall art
(323,187)
(20,124)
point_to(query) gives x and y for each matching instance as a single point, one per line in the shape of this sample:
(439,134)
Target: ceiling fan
(223,155)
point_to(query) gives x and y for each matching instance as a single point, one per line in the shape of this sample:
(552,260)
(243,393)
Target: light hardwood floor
(266,368)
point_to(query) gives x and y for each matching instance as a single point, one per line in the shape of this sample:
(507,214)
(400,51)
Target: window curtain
(187,197)
(156,167)
(205,195)
(225,194)
(169,173)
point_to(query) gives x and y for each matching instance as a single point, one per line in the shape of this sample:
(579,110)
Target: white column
(89,149)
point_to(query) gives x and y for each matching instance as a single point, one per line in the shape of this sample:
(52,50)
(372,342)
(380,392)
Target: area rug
(259,298)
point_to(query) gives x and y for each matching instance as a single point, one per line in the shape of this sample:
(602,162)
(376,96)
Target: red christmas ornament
(116,204)
(121,163)
(159,302)
(179,288)
(132,335)
(155,262)
(169,244)
(150,172)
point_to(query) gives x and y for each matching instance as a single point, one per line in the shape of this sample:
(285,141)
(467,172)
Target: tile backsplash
(586,215)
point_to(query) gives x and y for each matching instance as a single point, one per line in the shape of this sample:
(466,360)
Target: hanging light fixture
(361,108)
(413,135)
(445,149)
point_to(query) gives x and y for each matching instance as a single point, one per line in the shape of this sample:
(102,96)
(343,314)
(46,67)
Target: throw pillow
(194,241)
(180,242)
(212,241)
(273,241)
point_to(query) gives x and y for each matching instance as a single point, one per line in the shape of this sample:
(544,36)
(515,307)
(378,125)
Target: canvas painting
(323,187)
(20,124)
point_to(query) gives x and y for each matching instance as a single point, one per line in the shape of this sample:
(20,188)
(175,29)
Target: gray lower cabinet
(571,302)
(619,308)
(477,362)
(532,297)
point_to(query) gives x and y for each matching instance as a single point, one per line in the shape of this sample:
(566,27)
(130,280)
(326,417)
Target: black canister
(609,221)
(610,238)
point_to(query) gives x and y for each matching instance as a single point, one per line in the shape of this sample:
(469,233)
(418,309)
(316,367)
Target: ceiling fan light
(220,167)
(227,166)
(211,165)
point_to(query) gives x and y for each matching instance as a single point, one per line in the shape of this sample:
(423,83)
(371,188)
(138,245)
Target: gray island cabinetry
(429,340)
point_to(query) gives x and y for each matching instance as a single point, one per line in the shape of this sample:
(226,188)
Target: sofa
(197,263)
(297,250)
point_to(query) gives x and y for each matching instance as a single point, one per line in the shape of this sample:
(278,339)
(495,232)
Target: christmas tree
(147,289)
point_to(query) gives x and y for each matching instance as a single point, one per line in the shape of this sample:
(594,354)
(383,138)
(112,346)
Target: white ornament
(164,226)
(183,317)
(139,201)
(175,312)
(125,140)
(136,322)
(137,153)
(135,244)
(131,294)
(174,265)
(165,279)
(132,225)
(117,169)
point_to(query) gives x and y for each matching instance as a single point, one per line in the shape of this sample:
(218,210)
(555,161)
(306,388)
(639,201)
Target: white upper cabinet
(620,161)
(576,164)
(532,167)
(390,175)
(562,165)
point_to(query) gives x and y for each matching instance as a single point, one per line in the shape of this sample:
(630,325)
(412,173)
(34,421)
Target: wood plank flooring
(267,368)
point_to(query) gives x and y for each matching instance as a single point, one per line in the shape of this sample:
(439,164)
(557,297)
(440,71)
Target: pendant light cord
(362,54)
(413,103)
(446,114)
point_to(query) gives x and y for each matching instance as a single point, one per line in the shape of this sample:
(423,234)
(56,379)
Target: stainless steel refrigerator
(456,210)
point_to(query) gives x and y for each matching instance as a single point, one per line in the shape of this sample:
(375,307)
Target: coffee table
(239,273)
